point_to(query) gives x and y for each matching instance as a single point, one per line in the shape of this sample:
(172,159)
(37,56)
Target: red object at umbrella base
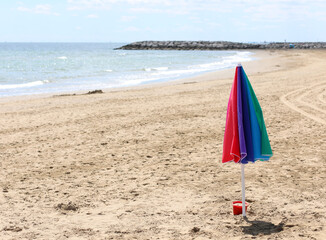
(237,207)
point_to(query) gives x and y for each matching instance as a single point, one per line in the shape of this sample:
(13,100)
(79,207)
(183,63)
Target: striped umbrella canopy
(245,137)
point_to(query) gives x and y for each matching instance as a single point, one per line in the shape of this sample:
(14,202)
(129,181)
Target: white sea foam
(136,81)
(156,69)
(23,85)
(160,68)
(62,57)
(153,74)
(177,72)
(225,62)
(108,70)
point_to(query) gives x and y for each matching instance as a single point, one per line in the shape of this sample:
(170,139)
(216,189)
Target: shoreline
(145,162)
(128,69)
(259,55)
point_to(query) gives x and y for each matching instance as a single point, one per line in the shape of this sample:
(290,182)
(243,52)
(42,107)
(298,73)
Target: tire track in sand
(321,96)
(297,101)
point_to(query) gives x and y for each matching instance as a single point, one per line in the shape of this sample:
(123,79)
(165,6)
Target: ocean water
(35,68)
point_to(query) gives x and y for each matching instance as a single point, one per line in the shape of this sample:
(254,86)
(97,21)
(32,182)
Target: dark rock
(218,45)
(67,207)
(195,229)
(95,92)
(12,229)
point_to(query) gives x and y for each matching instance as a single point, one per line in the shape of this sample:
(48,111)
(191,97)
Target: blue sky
(135,20)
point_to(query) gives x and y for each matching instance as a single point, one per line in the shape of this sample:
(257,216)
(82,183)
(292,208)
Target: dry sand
(145,163)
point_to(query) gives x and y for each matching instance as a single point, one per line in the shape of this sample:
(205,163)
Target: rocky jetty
(218,45)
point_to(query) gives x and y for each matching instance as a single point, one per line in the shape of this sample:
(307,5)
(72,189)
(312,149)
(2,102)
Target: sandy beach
(145,162)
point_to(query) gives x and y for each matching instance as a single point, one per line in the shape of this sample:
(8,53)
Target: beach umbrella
(245,137)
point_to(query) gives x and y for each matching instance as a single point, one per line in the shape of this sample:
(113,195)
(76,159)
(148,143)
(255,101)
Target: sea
(38,68)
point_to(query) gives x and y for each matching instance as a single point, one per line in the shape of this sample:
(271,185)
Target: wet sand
(145,162)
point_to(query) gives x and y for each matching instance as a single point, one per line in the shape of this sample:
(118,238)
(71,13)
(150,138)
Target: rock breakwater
(218,45)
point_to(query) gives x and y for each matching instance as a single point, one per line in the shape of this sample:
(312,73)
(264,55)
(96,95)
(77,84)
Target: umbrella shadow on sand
(261,227)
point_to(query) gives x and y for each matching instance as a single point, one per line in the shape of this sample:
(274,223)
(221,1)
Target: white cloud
(45,9)
(127,18)
(107,4)
(175,11)
(137,29)
(88,4)
(92,16)
(187,28)
(132,29)
(23,9)
(257,10)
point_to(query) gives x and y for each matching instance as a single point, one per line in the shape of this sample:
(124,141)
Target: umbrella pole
(243,191)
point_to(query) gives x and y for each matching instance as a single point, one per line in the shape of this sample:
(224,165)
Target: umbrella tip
(239,65)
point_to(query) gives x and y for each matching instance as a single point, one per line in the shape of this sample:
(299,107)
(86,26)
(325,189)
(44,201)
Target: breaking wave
(24,85)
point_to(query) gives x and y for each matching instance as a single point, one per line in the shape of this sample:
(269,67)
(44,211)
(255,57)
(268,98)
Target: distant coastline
(218,45)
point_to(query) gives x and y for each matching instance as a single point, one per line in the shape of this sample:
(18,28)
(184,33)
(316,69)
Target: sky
(137,20)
